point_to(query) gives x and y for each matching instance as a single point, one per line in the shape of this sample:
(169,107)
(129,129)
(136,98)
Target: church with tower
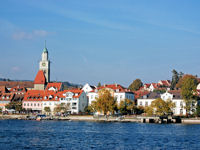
(43,76)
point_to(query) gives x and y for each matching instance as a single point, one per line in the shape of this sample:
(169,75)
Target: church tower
(45,64)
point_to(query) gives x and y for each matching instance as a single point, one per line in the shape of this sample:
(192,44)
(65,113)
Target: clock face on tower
(43,64)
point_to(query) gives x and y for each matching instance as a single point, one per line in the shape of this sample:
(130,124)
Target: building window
(181,111)
(27,104)
(31,104)
(44,103)
(73,104)
(175,104)
(140,103)
(146,103)
(120,96)
(181,104)
(49,103)
(24,104)
(35,104)
(38,104)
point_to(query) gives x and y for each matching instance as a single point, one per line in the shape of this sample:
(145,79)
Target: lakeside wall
(91,118)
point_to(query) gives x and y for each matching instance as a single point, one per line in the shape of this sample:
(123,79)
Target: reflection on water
(21,134)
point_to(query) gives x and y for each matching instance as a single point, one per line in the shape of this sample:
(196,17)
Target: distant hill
(67,85)
(4,79)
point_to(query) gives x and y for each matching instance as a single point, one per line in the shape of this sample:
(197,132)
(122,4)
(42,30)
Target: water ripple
(51,135)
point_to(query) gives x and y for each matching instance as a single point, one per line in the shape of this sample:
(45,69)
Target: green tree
(1,110)
(89,109)
(99,84)
(135,85)
(197,112)
(139,110)
(159,90)
(17,106)
(105,103)
(149,110)
(188,87)
(160,107)
(47,110)
(62,108)
(175,79)
(126,106)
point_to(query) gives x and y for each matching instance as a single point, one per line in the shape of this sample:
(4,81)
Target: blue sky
(107,41)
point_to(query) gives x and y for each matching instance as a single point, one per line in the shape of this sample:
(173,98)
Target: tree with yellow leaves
(126,106)
(160,107)
(105,103)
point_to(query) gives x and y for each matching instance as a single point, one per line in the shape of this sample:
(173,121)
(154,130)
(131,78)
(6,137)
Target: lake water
(22,134)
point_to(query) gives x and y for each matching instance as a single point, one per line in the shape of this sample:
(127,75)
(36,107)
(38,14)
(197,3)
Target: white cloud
(15,69)
(21,35)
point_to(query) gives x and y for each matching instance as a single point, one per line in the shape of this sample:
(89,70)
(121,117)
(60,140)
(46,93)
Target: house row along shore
(37,96)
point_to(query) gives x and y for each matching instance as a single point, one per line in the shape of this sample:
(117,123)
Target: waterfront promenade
(135,119)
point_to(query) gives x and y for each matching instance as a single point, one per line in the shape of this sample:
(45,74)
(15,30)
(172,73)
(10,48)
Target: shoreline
(92,119)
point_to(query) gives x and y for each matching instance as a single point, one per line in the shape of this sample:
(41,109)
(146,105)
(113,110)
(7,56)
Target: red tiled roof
(75,91)
(140,93)
(155,85)
(18,89)
(3,89)
(56,85)
(165,82)
(114,87)
(40,95)
(40,78)
(6,96)
(11,84)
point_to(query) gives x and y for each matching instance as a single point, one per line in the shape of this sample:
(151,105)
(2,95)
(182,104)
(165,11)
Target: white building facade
(76,99)
(179,109)
(116,91)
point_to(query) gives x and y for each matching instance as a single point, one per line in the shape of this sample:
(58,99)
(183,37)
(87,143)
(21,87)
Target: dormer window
(45,97)
(3,97)
(117,90)
(76,94)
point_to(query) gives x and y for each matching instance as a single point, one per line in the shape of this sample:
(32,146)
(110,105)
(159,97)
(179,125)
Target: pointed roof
(55,85)
(40,78)
(45,48)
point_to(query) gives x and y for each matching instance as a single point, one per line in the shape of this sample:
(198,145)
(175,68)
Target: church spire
(45,48)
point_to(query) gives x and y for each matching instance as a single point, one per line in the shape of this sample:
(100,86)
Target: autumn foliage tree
(160,107)
(62,108)
(188,85)
(126,106)
(47,109)
(17,106)
(136,85)
(105,103)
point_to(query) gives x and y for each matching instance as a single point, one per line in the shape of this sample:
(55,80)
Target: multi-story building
(116,90)
(76,99)
(33,100)
(174,96)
